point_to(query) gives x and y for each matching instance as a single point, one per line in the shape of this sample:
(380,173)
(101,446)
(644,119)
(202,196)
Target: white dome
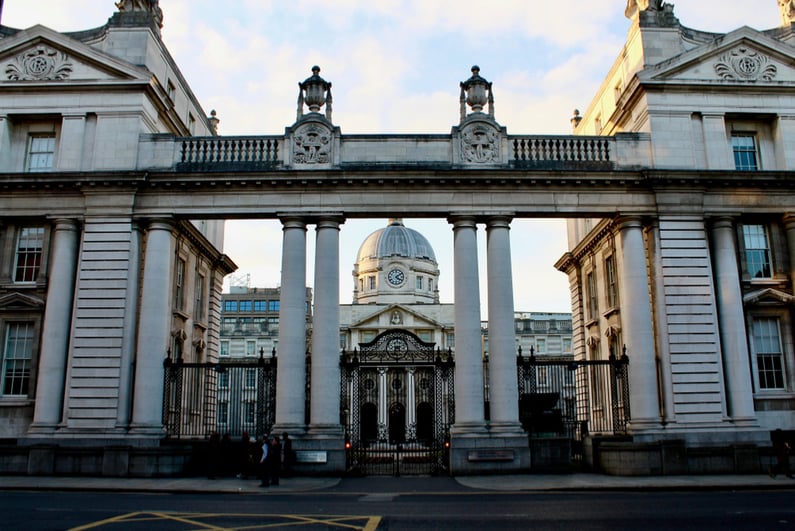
(396,240)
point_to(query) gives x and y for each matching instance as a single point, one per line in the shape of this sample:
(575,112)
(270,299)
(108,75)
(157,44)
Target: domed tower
(395,264)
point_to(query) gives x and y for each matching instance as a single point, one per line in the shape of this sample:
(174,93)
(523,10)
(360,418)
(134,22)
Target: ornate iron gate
(228,397)
(397,405)
(570,399)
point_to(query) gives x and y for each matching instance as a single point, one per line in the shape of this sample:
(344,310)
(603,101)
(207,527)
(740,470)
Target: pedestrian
(782,447)
(276,460)
(287,452)
(213,455)
(264,462)
(227,463)
(244,453)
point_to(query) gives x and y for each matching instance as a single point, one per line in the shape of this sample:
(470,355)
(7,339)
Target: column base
(488,454)
(321,450)
(468,429)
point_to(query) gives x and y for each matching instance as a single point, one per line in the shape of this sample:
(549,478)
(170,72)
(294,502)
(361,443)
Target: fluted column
(56,326)
(153,329)
(503,390)
(469,415)
(637,319)
(325,392)
(789,227)
(731,320)
(291,373)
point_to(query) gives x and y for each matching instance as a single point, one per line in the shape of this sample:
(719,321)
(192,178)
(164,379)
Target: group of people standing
(267,459)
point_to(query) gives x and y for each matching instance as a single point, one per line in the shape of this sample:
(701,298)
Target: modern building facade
(678,184)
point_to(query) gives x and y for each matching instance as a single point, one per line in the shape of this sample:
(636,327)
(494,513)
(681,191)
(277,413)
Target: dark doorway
(424,422)
(369,422)
(397,423)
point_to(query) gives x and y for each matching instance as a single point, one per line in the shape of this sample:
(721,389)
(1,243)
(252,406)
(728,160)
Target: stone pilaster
(731,322)
(153,330)
(56,327)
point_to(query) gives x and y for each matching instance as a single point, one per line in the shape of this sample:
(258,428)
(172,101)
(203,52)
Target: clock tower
(395,264)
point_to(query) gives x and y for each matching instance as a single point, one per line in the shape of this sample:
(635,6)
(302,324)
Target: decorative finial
(787,8)
(150,6)
(576,119)
(636,6)
(315,92)
(474,93)
(214,121)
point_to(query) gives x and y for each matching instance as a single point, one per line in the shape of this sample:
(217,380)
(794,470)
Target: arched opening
(424,422)
(369,422)
(397,423)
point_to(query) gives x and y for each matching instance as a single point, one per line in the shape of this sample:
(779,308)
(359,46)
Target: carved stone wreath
(38,64)
(312,145)
(745,64)
(480,144)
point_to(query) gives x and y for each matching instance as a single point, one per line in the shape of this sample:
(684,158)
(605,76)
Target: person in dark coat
(264,462)
(782,448)
(275,459)
(213,455)
(288,456)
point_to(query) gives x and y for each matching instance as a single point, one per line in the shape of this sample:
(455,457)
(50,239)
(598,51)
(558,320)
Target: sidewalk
(408,485)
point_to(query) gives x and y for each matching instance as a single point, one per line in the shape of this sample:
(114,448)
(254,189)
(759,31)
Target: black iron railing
(227,397)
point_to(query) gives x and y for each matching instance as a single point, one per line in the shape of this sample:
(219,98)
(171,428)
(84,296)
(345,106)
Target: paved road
(432,504)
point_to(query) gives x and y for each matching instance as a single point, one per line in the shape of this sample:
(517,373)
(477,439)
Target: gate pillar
(291,373)
(325,430)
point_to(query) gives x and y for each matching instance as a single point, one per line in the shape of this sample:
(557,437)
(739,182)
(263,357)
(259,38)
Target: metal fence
(228,397)
(568,398)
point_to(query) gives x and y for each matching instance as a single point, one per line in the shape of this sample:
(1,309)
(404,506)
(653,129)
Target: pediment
(41,55)
(396,315)
(745,56)
(768,296)
(20,302)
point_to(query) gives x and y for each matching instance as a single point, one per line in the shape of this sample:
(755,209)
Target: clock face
(395,277)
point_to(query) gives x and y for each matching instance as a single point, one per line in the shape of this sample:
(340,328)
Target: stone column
(503,389)
(383,418)
(789,227)
(469,414)
(637,320)
(153,329)
(325,392)
(56,327)
(731,320)
(411,401)
(127,362)
(291,373)
(5,143)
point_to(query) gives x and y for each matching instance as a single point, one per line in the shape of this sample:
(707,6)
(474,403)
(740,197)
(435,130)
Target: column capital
(66,224)
(292,221)
(461,221)
(789,220)
(330,222)
(629,222)
(722,222)
(499,221)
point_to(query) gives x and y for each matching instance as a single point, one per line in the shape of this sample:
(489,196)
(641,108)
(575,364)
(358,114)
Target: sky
(395,66)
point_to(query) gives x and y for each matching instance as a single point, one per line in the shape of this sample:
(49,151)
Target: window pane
(41,153)
(245,306)
(17,356)
(757,251)
(28,258)
(767,347)
(744,148)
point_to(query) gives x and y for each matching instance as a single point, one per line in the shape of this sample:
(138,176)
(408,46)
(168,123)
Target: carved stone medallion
(480,144)
(745,64)
(38,64)
(312,145)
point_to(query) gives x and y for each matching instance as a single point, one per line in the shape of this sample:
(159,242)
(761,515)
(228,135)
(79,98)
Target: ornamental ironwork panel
(397,406)
(228,397)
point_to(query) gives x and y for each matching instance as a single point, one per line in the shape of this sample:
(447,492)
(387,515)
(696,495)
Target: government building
(121,356)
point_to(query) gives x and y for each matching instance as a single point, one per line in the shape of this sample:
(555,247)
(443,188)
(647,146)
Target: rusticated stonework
(312,145)
(480,144)
(745,64)
(39,64)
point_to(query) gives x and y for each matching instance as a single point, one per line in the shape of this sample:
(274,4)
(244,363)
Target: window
(612,281)
(260,306)
(767,348)
(541,346)
(179,285)
(425,335)
(17,356)
(251,378)
(745,154)
(251,348)
(224,348)
(371,281)
(450,340)
(593,306)
(361,284)
(223,379)
(171,90)
(230,306)
(567,345)
(419,282)
(430,284)
(273,306)
(250,412)
(367,336)
(223,412)
(757,251)
(201,295)
(41,153)
(28,257)
(245,306)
